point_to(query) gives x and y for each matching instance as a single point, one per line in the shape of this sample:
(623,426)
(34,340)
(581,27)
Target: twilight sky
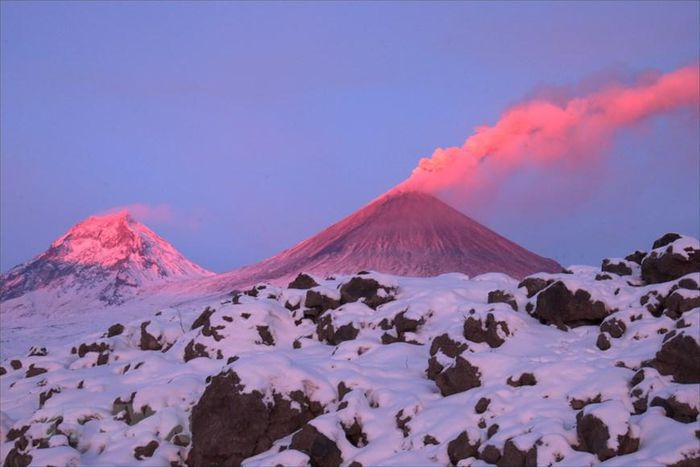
(238,130)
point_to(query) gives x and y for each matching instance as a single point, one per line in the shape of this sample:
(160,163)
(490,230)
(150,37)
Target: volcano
(405,233)
(104,259)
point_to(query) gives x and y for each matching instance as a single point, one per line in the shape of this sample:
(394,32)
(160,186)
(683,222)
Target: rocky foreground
(588,366)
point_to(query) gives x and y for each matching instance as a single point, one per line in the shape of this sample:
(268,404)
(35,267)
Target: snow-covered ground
(576,368)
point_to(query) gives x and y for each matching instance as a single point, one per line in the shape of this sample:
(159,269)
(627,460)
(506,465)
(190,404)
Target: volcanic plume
(541,131)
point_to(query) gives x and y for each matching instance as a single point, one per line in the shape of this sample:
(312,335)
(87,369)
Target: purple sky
(248,127)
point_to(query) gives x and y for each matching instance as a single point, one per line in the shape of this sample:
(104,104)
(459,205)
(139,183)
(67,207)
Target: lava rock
(367,289)
(148,342)
(678,303)
(354,434)
(679,357)
(675,409)
(513,456)
(559,306)
(478,331)
(328,333)
(525,379)
(666,239)
(482,405)
(534,285)
(636,257)
(603,343)
(500,296)
(616,267)
(459,377)
(265,335)
(594,435)
(322,451)
(303,282)
(204,318)
(319,303)
(229,424)
(613,326)
(195,350)
(669,265)
(462,448)
(34,371)
(145,451)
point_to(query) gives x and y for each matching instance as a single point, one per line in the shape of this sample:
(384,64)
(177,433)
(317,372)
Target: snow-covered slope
(101,261)
(590,366)
(403,233)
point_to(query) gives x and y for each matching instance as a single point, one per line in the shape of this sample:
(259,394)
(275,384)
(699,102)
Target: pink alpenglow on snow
(541,131)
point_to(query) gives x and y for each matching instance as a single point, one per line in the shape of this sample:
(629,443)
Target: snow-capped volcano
(406,233)
(105,258)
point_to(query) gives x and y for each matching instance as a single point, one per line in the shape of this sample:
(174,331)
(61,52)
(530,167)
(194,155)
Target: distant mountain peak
(105,257)
(401,232)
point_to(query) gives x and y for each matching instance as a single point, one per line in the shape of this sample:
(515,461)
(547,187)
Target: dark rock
(291,307)
(443,343)
(482,405)
(329,334)
(603,277)
(500,296)
(688,283)
(96,347)
(559,306)
(430,439)
(404,325)
(266,335)
(677,304)
(669,265)
(229,424)
(666,239)
(402,423)
(534,285)
(367,289)
(478,331)
(354,434)
(636,257)
(302,281)
(578,404)
(459,377)
(115,330)
(619,268)
(490,454)
(613,326)
(46,395)
(679,411)
(16,364)
(319,303)
(204,318)
(603,343)
(593,436)
(342,390)
(3,371)
(148,342)
(16,458)
(653,302)
(35,351)
(691,459)
(34,371)
(512,456)
(145,451)
(462,448)
(679,357)
(322,451)
(195,350)
(525,379)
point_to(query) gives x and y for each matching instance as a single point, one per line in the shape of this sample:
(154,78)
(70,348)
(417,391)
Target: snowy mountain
(594,366)
(404,233)
(103,260)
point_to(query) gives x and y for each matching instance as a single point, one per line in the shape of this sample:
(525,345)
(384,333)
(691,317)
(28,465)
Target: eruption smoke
(544,131)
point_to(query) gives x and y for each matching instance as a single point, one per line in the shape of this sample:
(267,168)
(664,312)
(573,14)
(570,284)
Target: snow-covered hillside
(101,261)
(574,368)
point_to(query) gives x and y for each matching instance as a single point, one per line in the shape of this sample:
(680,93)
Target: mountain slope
(105,259)
(402,233)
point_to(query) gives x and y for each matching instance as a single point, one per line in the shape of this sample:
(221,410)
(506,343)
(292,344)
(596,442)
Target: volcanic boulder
(679,357)
(680,257)
(489,330)
(322,451)
(560,306)
(604,430)
(459,377)
(230,423)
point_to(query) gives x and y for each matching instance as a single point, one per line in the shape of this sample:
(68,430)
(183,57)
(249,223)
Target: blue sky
(259,124)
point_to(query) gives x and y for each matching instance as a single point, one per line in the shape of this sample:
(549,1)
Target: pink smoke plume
(541,131)
(160,213)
